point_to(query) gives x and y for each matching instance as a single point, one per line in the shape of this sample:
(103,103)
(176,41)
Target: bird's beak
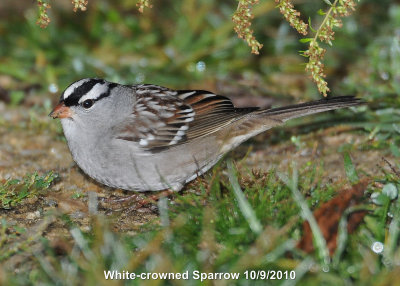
(61,111)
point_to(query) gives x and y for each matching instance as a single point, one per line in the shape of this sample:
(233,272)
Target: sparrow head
(81,97)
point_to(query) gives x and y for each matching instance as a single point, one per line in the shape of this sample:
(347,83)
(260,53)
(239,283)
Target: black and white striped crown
(84,89)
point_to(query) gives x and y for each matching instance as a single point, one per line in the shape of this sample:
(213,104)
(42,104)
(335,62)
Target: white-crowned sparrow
(147,137)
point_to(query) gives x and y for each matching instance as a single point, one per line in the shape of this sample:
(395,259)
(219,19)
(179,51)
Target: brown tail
(293,111)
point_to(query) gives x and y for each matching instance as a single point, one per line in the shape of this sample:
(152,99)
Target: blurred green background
(184,44)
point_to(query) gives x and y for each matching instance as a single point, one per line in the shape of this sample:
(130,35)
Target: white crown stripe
(96,91)
(70,90)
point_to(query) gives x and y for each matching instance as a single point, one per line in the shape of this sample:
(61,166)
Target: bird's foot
(135,201)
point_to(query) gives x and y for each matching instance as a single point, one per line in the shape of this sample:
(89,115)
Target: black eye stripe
(73,98)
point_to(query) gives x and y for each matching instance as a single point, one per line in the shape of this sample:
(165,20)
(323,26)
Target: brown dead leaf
(329,214)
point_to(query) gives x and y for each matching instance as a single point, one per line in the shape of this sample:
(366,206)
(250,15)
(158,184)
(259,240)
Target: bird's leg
(119,203)
(136,200)
(151,199)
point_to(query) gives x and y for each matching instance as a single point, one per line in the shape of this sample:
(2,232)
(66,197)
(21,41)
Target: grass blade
(320,242)
(349,168)
(244,205)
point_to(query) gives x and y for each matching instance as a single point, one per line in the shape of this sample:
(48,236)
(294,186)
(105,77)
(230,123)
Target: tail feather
(293,111)
(259,121)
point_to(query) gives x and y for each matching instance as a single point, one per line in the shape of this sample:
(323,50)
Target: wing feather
(162,117)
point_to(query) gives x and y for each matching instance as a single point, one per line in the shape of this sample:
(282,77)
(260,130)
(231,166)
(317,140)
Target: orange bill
(61,111)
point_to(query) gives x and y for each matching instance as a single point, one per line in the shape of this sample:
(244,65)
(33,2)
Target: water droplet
(375,198)
(53,88)
(351,269)
(384,75)
(377,247)
(390,190)
(201,66)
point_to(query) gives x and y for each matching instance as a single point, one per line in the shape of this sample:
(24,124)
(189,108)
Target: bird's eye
(87,103)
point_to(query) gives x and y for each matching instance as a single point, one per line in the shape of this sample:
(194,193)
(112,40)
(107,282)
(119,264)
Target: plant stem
(323,22)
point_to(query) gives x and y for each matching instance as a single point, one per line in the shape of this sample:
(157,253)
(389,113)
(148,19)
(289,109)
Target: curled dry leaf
(329,214)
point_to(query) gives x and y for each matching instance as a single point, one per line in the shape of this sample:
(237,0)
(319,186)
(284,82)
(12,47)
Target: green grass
(13,192)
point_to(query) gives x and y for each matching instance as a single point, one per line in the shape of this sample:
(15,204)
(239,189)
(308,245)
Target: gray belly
(124,166)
